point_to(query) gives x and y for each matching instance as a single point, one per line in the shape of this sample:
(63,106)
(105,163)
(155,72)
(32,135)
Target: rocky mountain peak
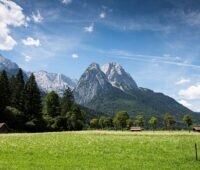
(118,77)
(93,82)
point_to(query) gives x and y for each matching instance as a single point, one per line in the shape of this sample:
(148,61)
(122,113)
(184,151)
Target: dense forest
(24,108)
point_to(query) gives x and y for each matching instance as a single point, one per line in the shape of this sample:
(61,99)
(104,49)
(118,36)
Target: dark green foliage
(187,119)
(153,121)
(94,123)
(129,123)
(120,119)
(32,106)
(108,122)
(51,112)
(75,118)
(59,123)
(67,101)
(32,99)
(13,118)
(139,120)
(105,122)
(17,97)
(51,105)
(168,121)
(4,92)
(143,101)
(101,122)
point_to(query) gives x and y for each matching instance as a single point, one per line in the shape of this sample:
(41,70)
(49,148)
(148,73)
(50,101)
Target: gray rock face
(118,77)
(7,65)
(92,83)
(48,82)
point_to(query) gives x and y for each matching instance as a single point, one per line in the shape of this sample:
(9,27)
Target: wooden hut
(196,129)
(136,129)
(4,128)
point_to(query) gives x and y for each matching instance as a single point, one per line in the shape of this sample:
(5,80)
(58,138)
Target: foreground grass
(99,150)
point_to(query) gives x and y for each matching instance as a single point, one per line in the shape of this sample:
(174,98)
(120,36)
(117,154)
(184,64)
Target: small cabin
(4,128)
(196,129)
(136,129)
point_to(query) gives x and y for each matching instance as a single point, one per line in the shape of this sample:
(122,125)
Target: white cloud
(182,81)
(37,17)
(75,56)
(11,14)
(31,42)
(27,58)
(90,28)
(102,15)
(185,103)
(66,2)
(191,93)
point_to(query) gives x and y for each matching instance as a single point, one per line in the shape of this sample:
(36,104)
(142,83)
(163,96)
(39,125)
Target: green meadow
(100,150)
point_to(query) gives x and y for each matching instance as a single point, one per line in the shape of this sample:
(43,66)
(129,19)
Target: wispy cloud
(163,59)
(185,103)
(75,56)
(102,15)
(37,18)
(31,42)
(89,28)
(182,81)
(27,58)
(66,2)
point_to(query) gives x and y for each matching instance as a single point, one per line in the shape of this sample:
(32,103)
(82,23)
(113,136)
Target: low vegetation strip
(100,150)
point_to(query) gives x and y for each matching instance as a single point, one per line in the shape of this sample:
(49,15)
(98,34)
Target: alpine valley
(106,90)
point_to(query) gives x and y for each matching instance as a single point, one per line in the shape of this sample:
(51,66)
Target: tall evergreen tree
(32,105)
(4,91)
(17,99)
(67,101)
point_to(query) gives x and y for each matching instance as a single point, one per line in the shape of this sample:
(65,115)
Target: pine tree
(67,101)
(4,91)
(32,106)
(17,99)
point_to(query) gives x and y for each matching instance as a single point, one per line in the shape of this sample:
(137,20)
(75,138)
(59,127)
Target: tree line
(122,120)
(23,108)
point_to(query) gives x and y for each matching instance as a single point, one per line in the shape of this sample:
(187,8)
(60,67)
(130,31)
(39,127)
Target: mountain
(46,81)
(118,77)
(112,89)
(8,65)
(53,82)
(92,83)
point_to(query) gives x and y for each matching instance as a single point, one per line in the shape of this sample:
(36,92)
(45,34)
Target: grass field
(100,150)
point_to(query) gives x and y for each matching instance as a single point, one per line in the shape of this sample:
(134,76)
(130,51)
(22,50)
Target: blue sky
(156,41)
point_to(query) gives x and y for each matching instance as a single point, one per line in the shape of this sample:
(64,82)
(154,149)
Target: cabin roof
(136,128)
(3,124)
(196,128)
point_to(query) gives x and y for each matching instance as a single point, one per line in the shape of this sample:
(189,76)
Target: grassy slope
(99,150)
